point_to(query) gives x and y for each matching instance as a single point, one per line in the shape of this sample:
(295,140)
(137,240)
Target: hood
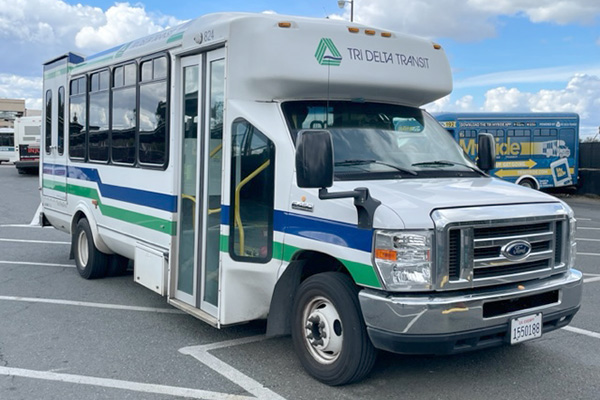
(413,200)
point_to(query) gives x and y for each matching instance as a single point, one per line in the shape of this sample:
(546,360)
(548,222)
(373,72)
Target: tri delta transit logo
(327,53)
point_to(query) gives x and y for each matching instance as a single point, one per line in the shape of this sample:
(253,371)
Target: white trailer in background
(279,167)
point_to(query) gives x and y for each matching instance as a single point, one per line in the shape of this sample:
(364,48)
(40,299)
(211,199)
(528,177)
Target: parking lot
(63,337)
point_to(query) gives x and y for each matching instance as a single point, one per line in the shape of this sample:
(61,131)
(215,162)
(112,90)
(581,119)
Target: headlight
(404,259)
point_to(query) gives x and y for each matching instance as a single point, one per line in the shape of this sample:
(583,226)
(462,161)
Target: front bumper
(452,322)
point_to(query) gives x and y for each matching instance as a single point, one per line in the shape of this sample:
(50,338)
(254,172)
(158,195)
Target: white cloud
(465,103)
(537,75)
(18,87)
(34,31)
(557,11)
(468,20)
(122,23)
(581,95)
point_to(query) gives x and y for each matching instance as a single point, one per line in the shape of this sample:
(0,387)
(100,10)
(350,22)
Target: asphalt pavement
(63,337)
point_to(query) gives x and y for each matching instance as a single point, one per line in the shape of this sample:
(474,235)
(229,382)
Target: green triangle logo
(327,53)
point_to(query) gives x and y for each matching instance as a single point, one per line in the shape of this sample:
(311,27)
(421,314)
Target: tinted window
(48,126)
(77,119)
(123,125)
(153,129)
(61,120)
(98,119)
(252,193)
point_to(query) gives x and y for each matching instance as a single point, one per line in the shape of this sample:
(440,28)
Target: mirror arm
(364,203)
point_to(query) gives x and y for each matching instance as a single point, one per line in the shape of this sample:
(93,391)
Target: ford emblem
(516,250)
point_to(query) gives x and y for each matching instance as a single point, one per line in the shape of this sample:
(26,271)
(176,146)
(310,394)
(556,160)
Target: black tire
(117,265)
(91,263)
(328,330)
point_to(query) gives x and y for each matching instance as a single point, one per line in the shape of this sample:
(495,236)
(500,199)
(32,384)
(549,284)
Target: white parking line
(587,228)
(35,241)
(119,384)
(588,254)
(201,353)
(582,332)
(583,219)
(20,226)
(93,305)
(36,264)
(588,240)
(591,280)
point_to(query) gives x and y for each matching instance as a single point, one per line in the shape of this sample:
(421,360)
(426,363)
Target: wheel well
(532,180)
(303,265)
(316,263)
(76,218)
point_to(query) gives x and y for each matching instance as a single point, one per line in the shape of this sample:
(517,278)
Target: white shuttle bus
(281,168)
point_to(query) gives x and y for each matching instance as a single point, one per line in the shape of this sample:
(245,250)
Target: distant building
(11,109)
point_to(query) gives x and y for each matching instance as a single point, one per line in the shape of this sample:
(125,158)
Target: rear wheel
(91,263)
(328,332)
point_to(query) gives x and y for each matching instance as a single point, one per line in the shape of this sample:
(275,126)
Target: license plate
(525,328)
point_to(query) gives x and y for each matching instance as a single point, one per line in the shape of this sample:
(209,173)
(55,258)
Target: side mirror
(314,159)
(486,152)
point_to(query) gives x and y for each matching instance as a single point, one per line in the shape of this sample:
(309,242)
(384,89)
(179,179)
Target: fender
(89,215)
(279,321)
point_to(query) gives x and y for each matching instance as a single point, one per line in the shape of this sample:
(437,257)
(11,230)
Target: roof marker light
(370,31)
(353,30)
(386,34)
(284,24)
(437,46)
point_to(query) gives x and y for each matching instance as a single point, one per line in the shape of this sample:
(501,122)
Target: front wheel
(329,333)
(90,262)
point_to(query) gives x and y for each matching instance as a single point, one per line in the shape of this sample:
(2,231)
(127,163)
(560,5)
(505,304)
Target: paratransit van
(282,168)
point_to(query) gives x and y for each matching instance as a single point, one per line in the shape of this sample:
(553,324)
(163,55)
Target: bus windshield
(381,141)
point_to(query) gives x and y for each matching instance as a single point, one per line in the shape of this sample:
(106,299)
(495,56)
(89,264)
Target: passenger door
(199,230)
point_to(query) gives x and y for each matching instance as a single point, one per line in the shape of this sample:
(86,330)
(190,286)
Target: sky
(506,55)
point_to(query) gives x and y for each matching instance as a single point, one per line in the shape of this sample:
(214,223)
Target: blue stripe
(324,230)
(156,200)
(319,229)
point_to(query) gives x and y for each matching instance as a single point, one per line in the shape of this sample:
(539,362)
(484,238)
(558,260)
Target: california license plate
(525,328)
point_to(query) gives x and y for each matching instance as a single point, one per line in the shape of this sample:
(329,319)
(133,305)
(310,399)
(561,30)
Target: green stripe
(53,185)
(175,37)
(132,217)
(363,274)
(54,74)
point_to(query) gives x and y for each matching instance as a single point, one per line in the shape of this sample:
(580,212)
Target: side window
(153,128)
(77,118)
(61,121)
(98,118)
(252,194)
(124,115)
(48,125)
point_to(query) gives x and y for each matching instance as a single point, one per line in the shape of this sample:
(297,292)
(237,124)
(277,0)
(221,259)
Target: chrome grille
(470,252)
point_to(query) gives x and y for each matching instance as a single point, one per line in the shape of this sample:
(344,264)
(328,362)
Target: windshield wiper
(446,163)
(364,162)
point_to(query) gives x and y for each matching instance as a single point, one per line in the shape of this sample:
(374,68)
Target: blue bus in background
(537,150)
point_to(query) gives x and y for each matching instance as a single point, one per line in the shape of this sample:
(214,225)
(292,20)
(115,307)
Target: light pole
(342,4)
